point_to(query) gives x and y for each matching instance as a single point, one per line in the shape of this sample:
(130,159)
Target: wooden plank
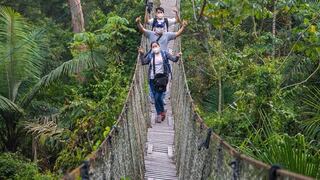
(150,148)
(162,132)
(160,168)
(154,141)
(153,118)
(158,177)
(161,171)
(171,178)
(170,152)
(170,121)
(161,176)
(160,149)
(169,140)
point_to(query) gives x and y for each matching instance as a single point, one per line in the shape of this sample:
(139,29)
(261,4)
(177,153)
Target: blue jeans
(158,98)
(151,92)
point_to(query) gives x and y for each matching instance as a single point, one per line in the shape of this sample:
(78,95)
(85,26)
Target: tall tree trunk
(220,92)
(262,20)
(274,19)
(194,10)
(34,149)
(12,132)
(202,9)
(76,16)
(77,25)
(254,28)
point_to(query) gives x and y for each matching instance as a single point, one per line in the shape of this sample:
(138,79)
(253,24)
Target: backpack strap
(154,23)
(165,62)
(167,23)
(159,37)
(164,57)
(154,65)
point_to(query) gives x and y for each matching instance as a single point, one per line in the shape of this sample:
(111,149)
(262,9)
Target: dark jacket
(165,56)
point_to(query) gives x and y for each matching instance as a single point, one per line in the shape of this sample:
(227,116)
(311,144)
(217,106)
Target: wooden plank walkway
(159,160)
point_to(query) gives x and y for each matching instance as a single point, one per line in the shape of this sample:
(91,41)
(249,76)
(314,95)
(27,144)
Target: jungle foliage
(254,74)
(253,71)
(60,92)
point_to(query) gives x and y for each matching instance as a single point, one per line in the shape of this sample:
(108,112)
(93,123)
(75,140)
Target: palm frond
(267,129)
(7,105)
(312,125)
(19,52)
(297,69)
(45,126)
(290,153)
(83,62)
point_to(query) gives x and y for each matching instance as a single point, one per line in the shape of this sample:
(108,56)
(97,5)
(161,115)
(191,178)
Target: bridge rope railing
(121,154)
(199,152)
(202,154)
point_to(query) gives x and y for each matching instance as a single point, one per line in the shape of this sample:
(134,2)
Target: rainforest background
(253,71)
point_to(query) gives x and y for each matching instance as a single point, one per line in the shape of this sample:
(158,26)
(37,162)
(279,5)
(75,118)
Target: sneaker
(163,115)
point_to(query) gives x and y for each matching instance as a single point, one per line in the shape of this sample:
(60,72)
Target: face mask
(156,50)
(160,15)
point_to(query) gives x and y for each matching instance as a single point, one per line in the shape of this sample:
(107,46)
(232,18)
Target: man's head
(159,13)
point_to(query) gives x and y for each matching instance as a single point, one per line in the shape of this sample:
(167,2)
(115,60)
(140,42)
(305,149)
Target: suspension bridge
(181,147)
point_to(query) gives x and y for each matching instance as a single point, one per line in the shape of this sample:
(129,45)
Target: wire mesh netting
(199,152)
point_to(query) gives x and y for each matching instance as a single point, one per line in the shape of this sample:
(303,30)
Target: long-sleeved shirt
(165,57)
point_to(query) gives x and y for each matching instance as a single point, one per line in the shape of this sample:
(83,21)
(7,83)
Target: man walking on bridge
(160,35)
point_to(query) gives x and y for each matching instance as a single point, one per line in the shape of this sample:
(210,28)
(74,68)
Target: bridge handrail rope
(203,129)
(199,152)
(103,158)
(280,173)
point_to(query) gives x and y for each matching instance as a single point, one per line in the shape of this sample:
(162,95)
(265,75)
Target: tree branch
(295,43)
(304,81)
(202,9)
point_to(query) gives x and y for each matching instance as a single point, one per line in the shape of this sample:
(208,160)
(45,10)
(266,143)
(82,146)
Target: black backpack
(165,21)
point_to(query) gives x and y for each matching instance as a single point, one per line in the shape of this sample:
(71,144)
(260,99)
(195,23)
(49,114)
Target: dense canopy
(65,68)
